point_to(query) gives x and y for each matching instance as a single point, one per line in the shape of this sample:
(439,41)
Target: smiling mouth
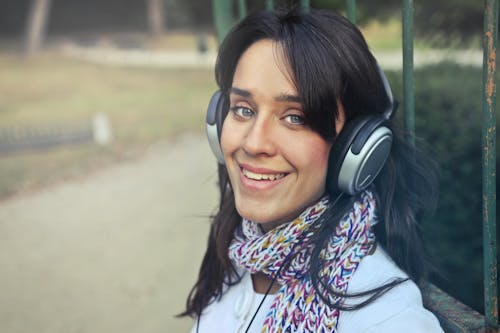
(262,176)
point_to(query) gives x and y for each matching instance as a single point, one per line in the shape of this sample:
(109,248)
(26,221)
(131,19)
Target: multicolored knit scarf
(297,307)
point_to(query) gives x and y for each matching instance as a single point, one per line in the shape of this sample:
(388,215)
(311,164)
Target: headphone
(357,156)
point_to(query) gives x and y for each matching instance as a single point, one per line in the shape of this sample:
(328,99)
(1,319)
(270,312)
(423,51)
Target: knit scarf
(297,307)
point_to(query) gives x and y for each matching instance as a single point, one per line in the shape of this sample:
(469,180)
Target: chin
(265,217)
(257,218)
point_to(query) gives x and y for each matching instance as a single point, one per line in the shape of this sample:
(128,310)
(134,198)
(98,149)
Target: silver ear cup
(359,170)
(361,149)
(213,141)
(214,125)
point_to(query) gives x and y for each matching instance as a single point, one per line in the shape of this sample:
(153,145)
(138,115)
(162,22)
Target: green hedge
(448,104)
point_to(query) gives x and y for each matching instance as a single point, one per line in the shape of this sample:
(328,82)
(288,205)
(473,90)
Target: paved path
(115,251)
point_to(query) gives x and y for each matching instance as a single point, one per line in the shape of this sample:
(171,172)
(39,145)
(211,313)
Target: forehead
(264,68)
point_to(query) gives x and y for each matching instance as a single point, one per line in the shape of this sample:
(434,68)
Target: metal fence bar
(351,10)
(269,4)
(408,81)
(242,8)
(489,163)
(454,316)
(222,10)
(305,5)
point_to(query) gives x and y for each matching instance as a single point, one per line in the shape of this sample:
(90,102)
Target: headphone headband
(393,103)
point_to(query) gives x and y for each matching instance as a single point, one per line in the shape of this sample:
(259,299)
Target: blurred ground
(107,252)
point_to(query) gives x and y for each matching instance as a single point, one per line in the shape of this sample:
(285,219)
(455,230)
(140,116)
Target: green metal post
(304,5)
(242,8)
(269,4)
(408,81)
(489,167)
(223,10)
(351,10)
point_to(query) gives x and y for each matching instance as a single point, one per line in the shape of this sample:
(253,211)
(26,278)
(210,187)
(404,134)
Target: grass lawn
(144,106)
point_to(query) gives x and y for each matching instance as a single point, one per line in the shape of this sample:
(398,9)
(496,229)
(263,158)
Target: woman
(287,251)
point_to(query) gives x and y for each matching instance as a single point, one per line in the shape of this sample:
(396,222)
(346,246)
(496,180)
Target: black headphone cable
(287,259)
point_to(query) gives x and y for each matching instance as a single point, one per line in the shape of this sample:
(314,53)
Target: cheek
(319,169)
(228,139)
(316,159)
(224,140)
(320,155)
(310,159)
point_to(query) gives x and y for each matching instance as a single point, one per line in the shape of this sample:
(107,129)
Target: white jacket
(398,310)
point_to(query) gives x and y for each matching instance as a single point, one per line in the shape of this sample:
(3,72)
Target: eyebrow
(279,98)
(288,98)
(241,92)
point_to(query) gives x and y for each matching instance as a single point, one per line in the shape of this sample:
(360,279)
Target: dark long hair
(328,60)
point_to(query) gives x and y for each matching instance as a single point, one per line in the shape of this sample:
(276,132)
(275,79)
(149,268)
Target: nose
(260,138)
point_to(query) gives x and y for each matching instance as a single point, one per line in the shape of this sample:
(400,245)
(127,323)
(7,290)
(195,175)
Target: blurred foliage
(444,23)
(448,109)
(194,14)
(450,22)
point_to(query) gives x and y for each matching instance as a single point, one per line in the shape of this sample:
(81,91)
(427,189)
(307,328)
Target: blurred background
(107,183)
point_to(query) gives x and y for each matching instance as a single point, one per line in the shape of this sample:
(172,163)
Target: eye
(242,112)
(295,119)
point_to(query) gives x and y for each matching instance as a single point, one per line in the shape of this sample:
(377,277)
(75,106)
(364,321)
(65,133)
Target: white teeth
(262,176)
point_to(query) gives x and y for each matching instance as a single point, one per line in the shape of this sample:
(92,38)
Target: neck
(261,283)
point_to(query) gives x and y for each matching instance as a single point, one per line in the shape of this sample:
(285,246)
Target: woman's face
(276,164)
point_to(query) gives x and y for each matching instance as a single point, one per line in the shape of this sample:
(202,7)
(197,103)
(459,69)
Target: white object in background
(101,129)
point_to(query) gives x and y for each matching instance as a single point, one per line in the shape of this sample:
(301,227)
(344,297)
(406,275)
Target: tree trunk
(156,17)
(36,25)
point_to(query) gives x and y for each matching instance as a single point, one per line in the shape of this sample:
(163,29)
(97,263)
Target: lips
(262,176)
